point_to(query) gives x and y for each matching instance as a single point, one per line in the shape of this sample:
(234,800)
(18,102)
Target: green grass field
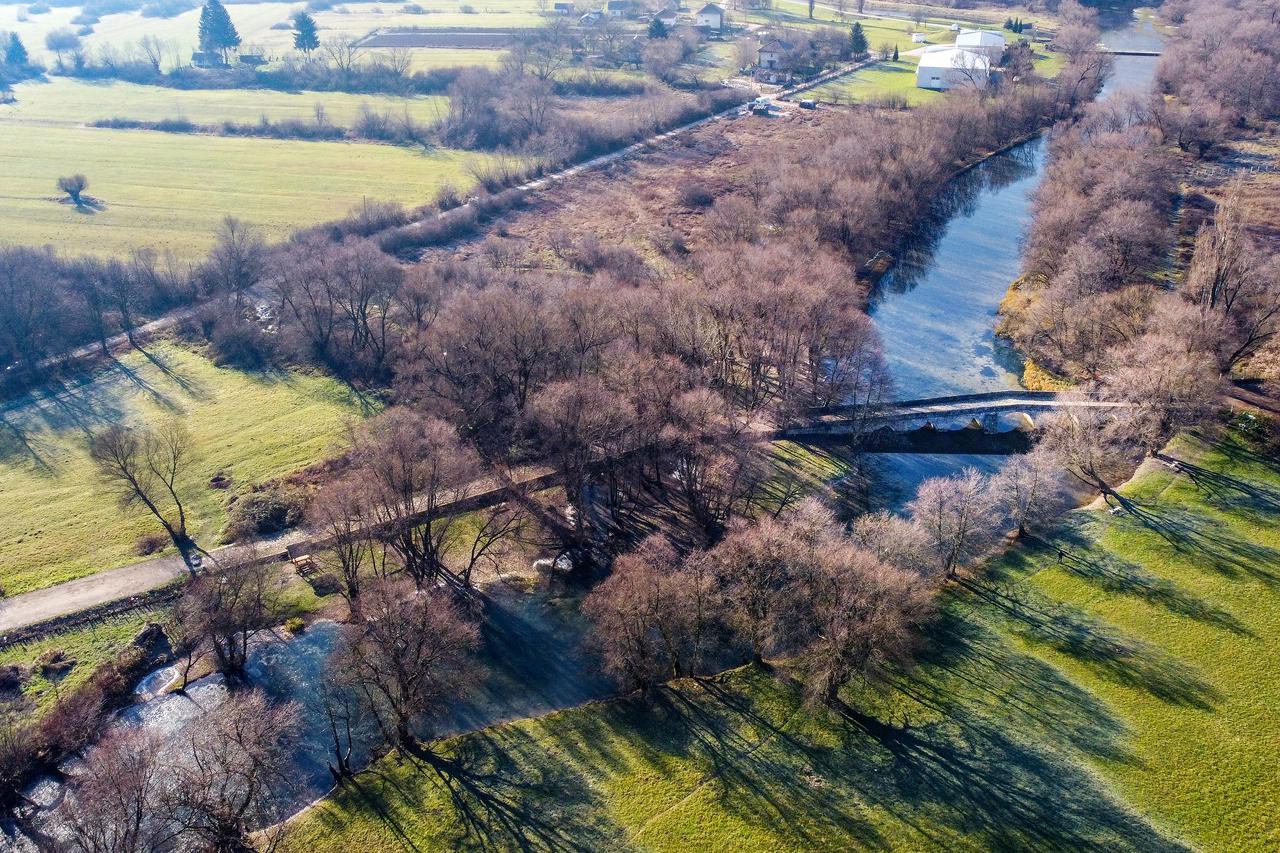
(254,22)
(1123,699)
(65,101)
(90,647)
(57,521)
(170,191)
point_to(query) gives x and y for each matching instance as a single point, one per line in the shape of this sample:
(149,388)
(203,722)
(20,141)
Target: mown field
(254,22)
(57,521)
(65,101)
(169,191)
(1121,697)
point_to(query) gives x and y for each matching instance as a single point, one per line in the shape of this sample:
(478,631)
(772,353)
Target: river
(936,309)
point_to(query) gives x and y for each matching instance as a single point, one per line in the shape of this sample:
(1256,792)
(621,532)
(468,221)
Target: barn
(989,44)
(944,67)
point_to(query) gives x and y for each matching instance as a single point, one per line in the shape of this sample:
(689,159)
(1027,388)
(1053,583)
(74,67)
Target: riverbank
(1116,697)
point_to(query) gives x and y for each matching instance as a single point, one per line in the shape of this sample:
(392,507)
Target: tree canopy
(857,40)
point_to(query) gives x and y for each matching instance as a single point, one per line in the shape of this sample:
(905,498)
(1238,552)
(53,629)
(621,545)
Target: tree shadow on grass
(1078,555)
(1210,541)
(1100,647)
(508,793)
(1226,492)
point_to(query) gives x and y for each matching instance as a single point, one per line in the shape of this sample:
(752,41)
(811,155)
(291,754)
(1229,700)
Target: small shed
(207,59)
(917,38)
(710,17)
(253,60)
(563,8)
(595,16)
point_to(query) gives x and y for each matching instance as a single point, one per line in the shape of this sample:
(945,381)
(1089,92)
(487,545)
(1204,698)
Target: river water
(936,309)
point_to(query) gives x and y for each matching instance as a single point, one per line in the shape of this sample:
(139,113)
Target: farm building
(711,17)
(668,17)
(944,67)
(989,44)
(773,54)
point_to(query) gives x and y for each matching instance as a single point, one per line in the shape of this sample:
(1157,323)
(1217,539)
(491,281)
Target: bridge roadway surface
(106,589)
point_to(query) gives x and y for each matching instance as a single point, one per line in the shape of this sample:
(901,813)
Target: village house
(944,66)
(990,44)
(618,8)
(772,55)
(710,17)
(668,17)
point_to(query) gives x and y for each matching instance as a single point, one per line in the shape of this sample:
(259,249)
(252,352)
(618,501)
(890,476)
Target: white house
(986,42)
(773,54)
(617,8)
(668,17)
(945,66)
(710,16)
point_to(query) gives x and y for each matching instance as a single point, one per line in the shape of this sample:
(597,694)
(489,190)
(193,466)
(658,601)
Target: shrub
(295,625)
(467,9)
(265,512)
(54,663)
(325,583)
(151,543)
(12,677)
(696,195)
(85,31)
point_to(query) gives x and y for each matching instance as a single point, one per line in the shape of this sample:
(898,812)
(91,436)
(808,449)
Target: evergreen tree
(217,33)
(895,53)
(1008,23)
(305,36)
(657,29)
(857,41)
(15,53)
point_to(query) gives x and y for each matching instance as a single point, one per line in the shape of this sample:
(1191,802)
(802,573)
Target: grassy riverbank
(1123,698)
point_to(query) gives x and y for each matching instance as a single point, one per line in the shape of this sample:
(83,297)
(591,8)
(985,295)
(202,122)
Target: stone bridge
(963,416)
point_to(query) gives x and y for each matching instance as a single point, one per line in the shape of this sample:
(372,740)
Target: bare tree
(1029,487)
(230,788)
(867,619)
(652,615)
(957,515)
(224,607)
(412,651)
(1090,444)
(114,803)
(342,54)
(145,466)
(1167,387)
(343,511)
(416,469)
(895,541)
(73,186)
(237,261)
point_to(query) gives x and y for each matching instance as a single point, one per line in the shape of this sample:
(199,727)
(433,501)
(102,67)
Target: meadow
(254,21)
(66,101)
(1107,686)
(170,191)
(58,521)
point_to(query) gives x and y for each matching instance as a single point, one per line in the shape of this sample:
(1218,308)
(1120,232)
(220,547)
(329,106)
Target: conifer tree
(15,53)
(305,36)
(217,33)
(857,41)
